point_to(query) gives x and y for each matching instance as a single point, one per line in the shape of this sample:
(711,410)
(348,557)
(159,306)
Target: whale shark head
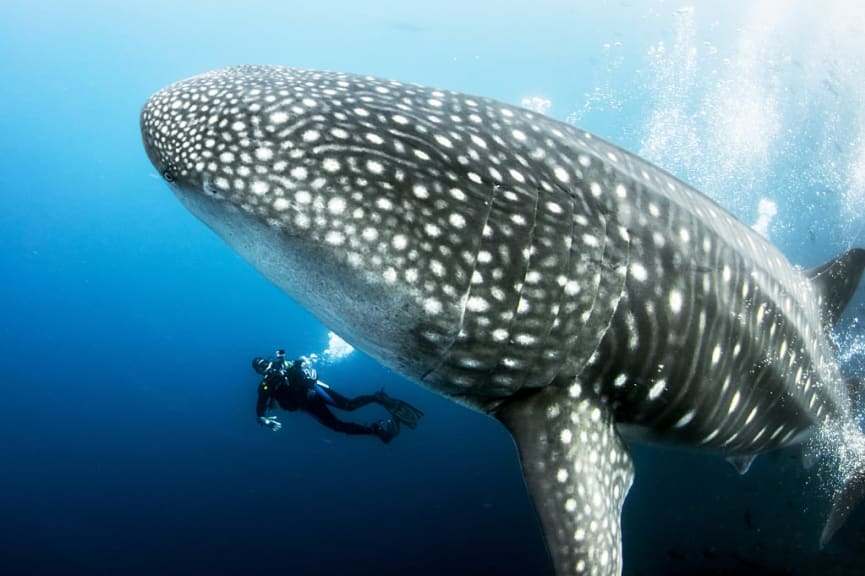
(441,234)
(398,215)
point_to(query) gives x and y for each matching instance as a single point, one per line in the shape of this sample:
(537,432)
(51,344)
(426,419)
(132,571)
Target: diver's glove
(270,422)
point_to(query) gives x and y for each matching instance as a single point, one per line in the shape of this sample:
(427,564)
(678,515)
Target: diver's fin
(578,472)
(402,411)
(742,463)
(836,281)
(386,430)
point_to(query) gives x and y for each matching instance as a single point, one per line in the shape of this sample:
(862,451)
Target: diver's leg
(337,400)
(319,410)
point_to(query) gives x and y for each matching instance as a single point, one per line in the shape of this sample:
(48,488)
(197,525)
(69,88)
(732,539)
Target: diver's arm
(261,404)
(261,409)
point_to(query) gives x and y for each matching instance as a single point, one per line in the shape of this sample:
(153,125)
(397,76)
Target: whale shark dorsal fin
(578,471)
(836,281)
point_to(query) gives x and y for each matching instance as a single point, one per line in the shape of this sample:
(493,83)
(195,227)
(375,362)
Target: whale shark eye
(168,175)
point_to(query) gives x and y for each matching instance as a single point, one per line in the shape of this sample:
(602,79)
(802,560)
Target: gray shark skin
(525,268)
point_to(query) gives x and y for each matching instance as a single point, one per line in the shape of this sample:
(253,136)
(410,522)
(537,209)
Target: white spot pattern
(423,194)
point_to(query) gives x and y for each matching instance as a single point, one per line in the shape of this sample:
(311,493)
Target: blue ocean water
(127,433)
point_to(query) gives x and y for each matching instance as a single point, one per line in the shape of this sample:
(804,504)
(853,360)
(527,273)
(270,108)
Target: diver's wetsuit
(293,389)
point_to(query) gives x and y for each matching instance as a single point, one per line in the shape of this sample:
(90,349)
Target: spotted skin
(517,265)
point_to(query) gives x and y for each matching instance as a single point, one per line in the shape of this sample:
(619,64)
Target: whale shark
(528,269)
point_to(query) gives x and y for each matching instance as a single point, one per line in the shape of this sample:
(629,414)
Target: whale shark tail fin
(578,471)
(856,391)
(851,485)
(847,496)
(836,281)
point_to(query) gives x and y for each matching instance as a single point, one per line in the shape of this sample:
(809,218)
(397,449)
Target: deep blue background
(128,443)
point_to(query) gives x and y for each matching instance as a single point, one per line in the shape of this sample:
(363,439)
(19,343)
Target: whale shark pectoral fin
(742,463)
(578,471)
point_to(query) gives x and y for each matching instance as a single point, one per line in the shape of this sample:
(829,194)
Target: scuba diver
(295,385)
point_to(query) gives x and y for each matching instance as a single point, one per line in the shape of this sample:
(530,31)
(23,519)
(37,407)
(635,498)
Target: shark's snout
(150,137)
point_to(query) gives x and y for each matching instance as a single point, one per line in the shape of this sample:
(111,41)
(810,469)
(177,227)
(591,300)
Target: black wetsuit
(292,388)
